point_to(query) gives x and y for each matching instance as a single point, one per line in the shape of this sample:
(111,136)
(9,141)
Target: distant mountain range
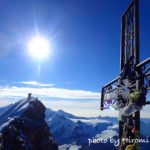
(74,132)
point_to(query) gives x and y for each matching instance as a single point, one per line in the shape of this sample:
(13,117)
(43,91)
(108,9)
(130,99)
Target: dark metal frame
(130,34)
(129,60)
(144,65)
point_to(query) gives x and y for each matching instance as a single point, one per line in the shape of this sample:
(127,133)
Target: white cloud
(48,92)
(145,113)
(78,102)
(4,102)
(35,83)
(80,108)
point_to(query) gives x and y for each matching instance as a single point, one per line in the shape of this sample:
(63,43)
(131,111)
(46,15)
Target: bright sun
(39,47)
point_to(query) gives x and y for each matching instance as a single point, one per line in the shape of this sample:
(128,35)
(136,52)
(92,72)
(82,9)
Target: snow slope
(70,131)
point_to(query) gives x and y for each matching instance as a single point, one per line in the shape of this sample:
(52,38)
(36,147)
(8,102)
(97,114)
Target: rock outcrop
(28,130)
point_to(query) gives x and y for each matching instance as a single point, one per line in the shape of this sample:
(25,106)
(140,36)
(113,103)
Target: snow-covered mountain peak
(23,126)
(18,108)
(70,131)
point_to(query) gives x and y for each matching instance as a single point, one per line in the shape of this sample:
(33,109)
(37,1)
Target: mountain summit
(27,124)
(25,127)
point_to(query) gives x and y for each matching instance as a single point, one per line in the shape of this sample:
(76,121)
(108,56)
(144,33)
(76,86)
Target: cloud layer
(35,83)
(78,102)
(47,92)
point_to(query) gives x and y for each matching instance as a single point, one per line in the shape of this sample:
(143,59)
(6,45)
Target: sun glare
(39,47)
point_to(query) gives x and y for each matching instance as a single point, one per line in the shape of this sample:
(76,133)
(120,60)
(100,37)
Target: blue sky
(85,49)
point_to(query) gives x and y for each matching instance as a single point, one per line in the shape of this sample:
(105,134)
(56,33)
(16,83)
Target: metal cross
(134,78)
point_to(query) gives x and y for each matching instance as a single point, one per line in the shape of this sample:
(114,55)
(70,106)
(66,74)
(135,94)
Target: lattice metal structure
(134,76)
(130,35)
